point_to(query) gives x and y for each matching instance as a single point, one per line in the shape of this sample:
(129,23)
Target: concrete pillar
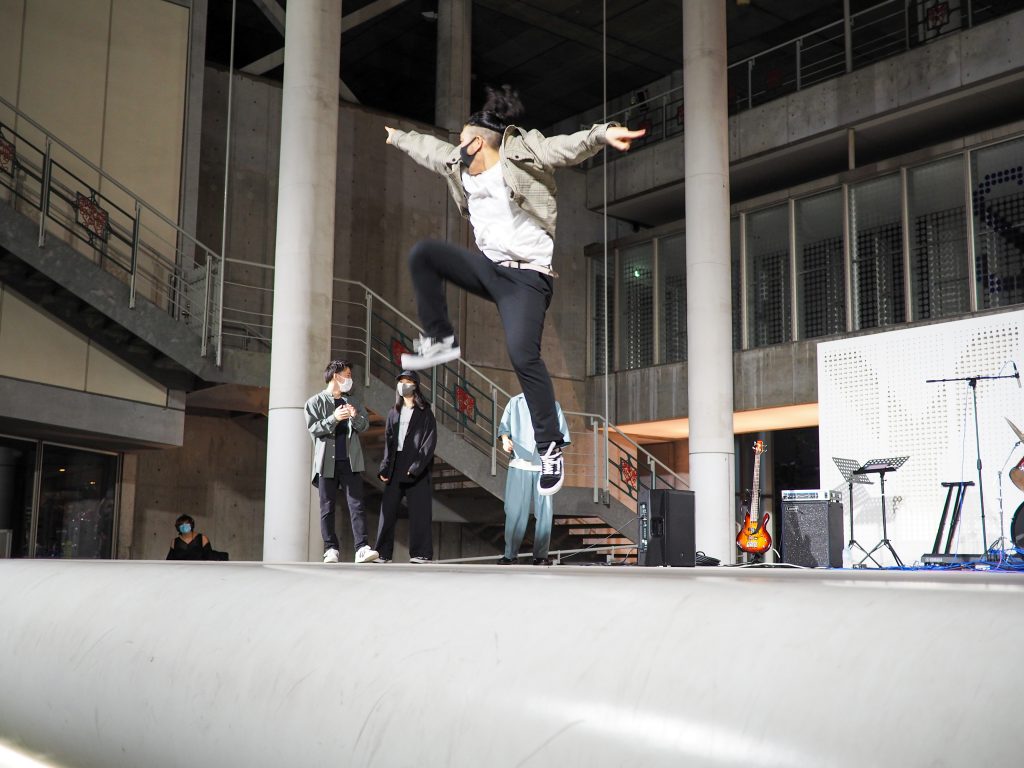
(303,288)
(452,104)
(454,52)
(708,288)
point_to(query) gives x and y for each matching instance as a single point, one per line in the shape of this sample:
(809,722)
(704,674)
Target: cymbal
(1017,432)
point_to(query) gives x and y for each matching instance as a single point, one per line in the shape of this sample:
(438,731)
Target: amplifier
(814,494)
(812,533)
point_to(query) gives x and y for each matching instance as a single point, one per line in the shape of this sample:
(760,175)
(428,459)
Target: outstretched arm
(560,151)
(430,152)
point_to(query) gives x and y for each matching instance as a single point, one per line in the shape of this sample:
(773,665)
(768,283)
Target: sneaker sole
(553,489)
(413,362)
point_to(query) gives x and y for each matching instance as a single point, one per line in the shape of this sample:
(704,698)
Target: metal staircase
(93,253)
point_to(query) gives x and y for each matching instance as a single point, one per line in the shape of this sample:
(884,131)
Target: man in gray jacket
(334,420)
(502,177)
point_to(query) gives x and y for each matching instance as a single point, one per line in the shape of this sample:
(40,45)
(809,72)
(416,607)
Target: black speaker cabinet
(668,525)
(812,533)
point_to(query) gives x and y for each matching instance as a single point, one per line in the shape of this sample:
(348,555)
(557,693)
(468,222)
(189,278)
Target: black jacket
(418,452)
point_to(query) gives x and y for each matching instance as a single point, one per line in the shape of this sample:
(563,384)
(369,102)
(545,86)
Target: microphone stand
(972,382)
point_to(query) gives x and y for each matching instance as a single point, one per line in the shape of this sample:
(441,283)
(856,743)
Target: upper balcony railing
(114,227)
(872,34)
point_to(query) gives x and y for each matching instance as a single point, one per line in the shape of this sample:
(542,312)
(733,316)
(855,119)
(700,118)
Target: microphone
(1016,373)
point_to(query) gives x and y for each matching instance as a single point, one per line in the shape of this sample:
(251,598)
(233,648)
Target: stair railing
(114,227)
(470,401)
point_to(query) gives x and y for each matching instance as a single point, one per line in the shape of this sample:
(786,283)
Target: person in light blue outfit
(517,438)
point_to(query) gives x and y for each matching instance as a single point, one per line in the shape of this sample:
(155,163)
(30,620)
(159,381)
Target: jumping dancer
(503,179)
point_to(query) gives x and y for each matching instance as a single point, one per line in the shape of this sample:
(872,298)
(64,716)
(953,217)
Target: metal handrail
(796,42)
(104,174)
(378,298)
(214,272)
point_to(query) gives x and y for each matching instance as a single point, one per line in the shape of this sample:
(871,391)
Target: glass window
(599,301)
(768,276)
(636,306)
(737,284)
(17,483)
(997,174)
(76,503)
(938,239)
(876,229)
(821,289)
(672,263)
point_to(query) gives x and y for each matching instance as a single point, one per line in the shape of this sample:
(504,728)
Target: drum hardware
(999,546)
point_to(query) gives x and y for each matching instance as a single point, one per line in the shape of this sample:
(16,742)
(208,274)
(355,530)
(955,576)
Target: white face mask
(346,385)
(404,390)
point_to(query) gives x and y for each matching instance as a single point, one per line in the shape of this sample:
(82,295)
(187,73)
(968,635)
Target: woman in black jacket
(409,440)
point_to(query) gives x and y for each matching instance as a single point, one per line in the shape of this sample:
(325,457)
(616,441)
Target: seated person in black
(189,545)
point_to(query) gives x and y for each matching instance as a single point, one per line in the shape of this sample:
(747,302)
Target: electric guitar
(753,537)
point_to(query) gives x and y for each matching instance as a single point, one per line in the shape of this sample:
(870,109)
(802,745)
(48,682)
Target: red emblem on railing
(6,156)
(465,402)
(628,474)
(938,15)
(397,350)
(94,219)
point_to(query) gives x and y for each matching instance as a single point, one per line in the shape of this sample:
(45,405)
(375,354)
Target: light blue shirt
(518,425)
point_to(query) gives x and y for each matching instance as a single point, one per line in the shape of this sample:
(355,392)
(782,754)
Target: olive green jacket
(528,162)
(321,424)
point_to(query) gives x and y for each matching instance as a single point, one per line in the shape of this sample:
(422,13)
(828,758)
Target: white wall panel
(875,403)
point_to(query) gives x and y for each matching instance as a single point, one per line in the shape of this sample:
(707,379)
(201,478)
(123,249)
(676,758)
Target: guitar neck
(755,488)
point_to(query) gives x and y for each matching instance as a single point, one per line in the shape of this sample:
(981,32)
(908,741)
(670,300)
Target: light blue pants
(520,490)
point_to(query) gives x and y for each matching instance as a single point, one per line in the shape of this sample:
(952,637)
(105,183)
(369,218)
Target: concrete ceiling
(551,50)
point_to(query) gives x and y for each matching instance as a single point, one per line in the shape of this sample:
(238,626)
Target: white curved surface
(164,664)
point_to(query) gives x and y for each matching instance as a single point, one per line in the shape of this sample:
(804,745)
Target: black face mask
(465,156)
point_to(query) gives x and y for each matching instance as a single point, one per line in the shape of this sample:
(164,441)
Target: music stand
(881,467)
(847,468)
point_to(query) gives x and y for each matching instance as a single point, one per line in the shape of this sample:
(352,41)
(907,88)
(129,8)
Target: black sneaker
(506,561)
(542,561)
(551,470)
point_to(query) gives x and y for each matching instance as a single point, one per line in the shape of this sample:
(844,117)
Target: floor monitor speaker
(812,533)
(667,528)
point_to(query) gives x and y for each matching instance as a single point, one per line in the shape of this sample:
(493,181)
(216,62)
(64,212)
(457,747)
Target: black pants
(419,498)
(328,487)
(522,296)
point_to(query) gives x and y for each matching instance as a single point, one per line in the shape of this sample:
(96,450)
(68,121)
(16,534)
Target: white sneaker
(419,560)
(431,352)
(366,555)
(331,555)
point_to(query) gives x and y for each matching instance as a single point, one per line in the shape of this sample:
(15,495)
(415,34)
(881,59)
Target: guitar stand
(881,467)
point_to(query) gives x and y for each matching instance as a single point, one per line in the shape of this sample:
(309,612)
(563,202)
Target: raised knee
(420,252)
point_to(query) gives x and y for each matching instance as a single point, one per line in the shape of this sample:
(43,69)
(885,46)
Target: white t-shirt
(503,230)
(403,425)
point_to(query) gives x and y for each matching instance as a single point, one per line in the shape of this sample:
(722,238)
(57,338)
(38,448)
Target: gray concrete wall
(217,476)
